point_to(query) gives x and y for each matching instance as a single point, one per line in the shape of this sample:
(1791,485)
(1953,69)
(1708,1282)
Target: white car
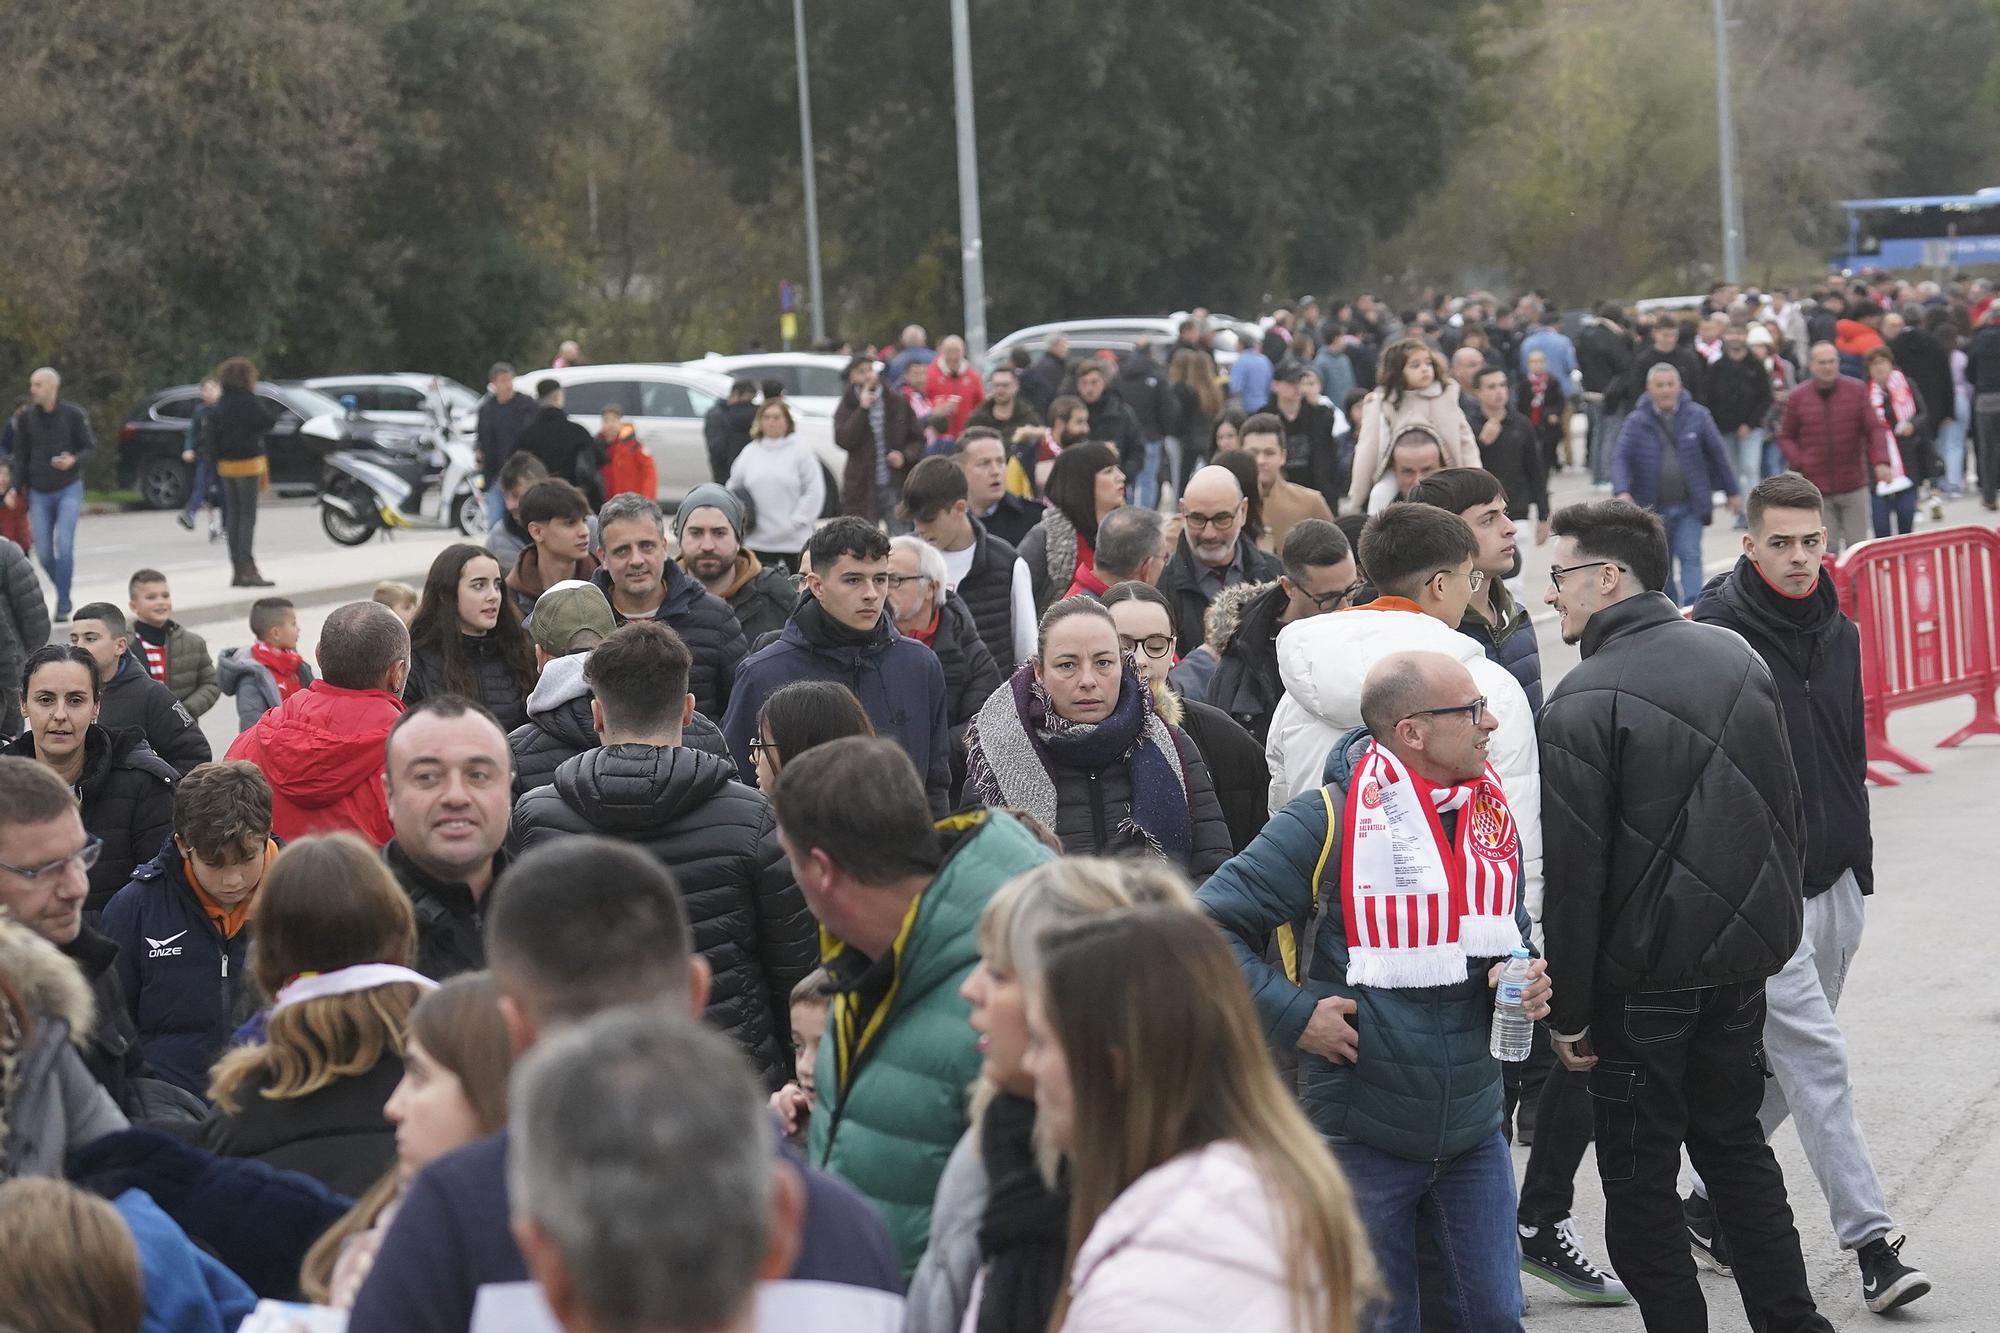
(401,398)
(1119,336)
(814,381)
(665,404)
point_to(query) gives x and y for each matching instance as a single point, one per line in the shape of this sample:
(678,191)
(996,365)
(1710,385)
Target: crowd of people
(1002,904)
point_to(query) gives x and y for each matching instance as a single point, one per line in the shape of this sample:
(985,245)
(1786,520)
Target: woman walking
(786,486)
(237,425)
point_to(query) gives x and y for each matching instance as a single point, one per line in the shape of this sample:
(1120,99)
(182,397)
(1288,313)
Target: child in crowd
(628,466)
(14,525)
(175,656)
(812,1000)
(398,597)
(272,669)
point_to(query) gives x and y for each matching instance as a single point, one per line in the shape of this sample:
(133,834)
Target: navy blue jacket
(451,1237)
(1511,643)
(182,980)
(1635,463)
(898,681)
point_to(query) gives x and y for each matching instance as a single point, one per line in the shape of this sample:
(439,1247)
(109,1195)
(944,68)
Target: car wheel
(349,529)
(163,482)
(469,517)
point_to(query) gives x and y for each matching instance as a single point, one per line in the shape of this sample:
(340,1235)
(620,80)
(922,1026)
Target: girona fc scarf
(1417,905)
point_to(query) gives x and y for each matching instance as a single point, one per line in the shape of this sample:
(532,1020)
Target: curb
(239,608)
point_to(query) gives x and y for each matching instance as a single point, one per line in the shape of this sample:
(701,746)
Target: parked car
(814,381)
(665,404)
(1087,337)
(310,425)
(401,398)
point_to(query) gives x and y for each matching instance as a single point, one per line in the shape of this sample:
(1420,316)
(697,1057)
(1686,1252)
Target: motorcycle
(429,480)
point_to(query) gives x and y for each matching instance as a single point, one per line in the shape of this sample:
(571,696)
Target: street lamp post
(816,290)
(1725,120)
(972,244)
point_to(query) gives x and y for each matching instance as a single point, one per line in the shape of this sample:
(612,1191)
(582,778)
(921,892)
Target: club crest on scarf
(1418,905)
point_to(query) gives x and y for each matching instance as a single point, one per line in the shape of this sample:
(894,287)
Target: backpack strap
(1292,949)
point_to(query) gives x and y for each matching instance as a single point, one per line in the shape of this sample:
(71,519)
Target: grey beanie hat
(708,495)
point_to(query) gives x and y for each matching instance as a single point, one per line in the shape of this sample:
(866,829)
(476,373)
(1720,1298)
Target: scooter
(429,481)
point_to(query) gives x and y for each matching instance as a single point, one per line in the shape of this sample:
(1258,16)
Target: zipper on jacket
(1444,1122)
(1097,825)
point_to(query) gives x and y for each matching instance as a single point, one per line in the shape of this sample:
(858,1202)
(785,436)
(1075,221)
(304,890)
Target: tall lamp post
(817,292)
(1725,122)
(972,244)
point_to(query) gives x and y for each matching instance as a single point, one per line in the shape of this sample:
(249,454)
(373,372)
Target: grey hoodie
(252,684)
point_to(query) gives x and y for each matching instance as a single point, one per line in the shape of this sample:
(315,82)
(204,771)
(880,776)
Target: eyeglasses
(1475,580)
(1475,712)
(897,582)
(1557,573)
(758,745)
(1225,519)
(1153,645)
(83,859)
(1339,597)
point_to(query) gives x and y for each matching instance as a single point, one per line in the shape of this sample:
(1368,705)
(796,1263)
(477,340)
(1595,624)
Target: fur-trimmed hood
(50,985)
(1225,614)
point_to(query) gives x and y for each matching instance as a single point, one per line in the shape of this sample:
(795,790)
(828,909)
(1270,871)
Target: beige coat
(1287,504)
(1435,407)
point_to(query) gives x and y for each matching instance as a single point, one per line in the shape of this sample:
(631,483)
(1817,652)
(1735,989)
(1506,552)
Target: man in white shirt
(983,570)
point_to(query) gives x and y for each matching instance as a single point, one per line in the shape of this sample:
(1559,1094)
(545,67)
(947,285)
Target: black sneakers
(1886,1281)
(1704,1236)
(1552,1254)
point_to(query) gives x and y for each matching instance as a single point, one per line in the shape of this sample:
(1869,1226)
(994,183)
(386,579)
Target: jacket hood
(50,985)
(1227,612)
(1324,659)
(234,666)
(1209,1205)
(636,789)
(562,681)
(323,742)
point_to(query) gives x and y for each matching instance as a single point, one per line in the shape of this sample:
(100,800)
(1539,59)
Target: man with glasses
(1214,552)
(1319,577)
(1675,836)
(1384,973)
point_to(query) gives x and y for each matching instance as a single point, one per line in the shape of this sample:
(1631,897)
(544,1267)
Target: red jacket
(938,384)
(1833,440)
(628,466)
(322,750)
(14,524)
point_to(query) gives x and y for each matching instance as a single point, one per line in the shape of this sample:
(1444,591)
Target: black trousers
(1688,1067)
(1564,1122)
(239,517)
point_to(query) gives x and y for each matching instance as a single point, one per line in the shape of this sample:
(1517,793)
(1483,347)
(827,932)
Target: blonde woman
(1200,1196)
(999,1229)
(335,937)
(1413,391)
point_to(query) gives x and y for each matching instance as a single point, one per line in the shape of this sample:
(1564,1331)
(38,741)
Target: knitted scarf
(283,664)
(1416,904)
(1018,739)
(1060,548)
(1024,1231)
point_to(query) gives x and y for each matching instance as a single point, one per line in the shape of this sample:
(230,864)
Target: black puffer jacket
(1671,821)
(499,688)
(969,673)
(1236,765)
(720,838)
(1181,582)
(127,794)
(1091,806)
(1814,653)
(133,699)
(558,727)
(337,1135)
(451,924)
(1244,635)
(706,625)
(988,592)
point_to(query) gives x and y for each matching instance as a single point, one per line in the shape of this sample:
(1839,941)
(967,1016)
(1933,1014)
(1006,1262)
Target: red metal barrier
(1928,605)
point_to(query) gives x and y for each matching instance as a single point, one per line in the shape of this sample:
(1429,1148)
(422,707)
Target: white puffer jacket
(1323,660)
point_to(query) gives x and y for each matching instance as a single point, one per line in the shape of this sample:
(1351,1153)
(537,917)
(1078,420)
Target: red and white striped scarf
(1416,906)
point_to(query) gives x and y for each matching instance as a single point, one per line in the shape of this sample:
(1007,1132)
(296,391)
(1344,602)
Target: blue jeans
(1684,525)
(204,477)
(1604,438)
(1749,459)
(1902,507)
(1144,489)
(1951,444)
(52,516)
(1467,1204)
(496,504)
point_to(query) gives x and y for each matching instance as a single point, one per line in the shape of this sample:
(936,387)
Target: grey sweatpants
(1808,1058)
(1849,521)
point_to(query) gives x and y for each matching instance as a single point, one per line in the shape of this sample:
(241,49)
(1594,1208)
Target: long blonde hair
(71,1264)
(1188,366)
(1165,1056)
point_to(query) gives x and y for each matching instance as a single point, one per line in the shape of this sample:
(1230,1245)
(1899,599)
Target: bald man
(1215,551)
(1466,363)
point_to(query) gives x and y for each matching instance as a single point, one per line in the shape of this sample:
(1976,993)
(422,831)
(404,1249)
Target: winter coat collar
(51,987)
(1631,616)
(636,790)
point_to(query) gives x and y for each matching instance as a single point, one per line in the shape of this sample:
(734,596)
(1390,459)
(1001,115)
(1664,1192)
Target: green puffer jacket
(190,669)
(1423,1087)
(889,1124)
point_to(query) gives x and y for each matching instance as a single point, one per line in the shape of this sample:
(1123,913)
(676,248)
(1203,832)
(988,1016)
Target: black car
(310,425)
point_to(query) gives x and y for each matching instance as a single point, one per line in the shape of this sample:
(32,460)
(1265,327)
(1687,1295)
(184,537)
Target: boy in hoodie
(322,748)
(628,465)
(271,670)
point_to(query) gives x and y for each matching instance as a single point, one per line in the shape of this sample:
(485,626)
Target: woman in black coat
(233,432)
(467,639)
(126,792)
(1076,740)
(1236,763)
(335,938)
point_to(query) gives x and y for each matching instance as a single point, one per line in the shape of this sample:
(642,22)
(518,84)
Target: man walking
(52,445)
(1778,599)
(709,527)
(1671,460)
(980,567)
(1669,795)
(1493,619)
(725,427)
(982,457)
(503,415)
(1831,436)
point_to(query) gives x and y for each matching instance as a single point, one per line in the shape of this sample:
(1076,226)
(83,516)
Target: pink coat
(1436,407)
(1193,1246)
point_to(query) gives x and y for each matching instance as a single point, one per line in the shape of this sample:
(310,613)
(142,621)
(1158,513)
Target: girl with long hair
(799,716)
(1084,485)
(1199,395)
(335,936)
(1413,386)
(467,638)
(453,1091)
(1200,1196)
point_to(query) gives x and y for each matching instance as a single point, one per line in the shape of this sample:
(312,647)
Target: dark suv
(310,425)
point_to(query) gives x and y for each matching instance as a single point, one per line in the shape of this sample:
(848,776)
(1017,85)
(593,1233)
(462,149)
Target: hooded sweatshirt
(787,489)
(322,751)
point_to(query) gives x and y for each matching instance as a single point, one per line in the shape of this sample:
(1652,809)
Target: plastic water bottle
(1513,1030)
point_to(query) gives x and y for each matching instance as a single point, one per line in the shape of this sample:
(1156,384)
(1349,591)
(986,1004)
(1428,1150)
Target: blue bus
(1936,231)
